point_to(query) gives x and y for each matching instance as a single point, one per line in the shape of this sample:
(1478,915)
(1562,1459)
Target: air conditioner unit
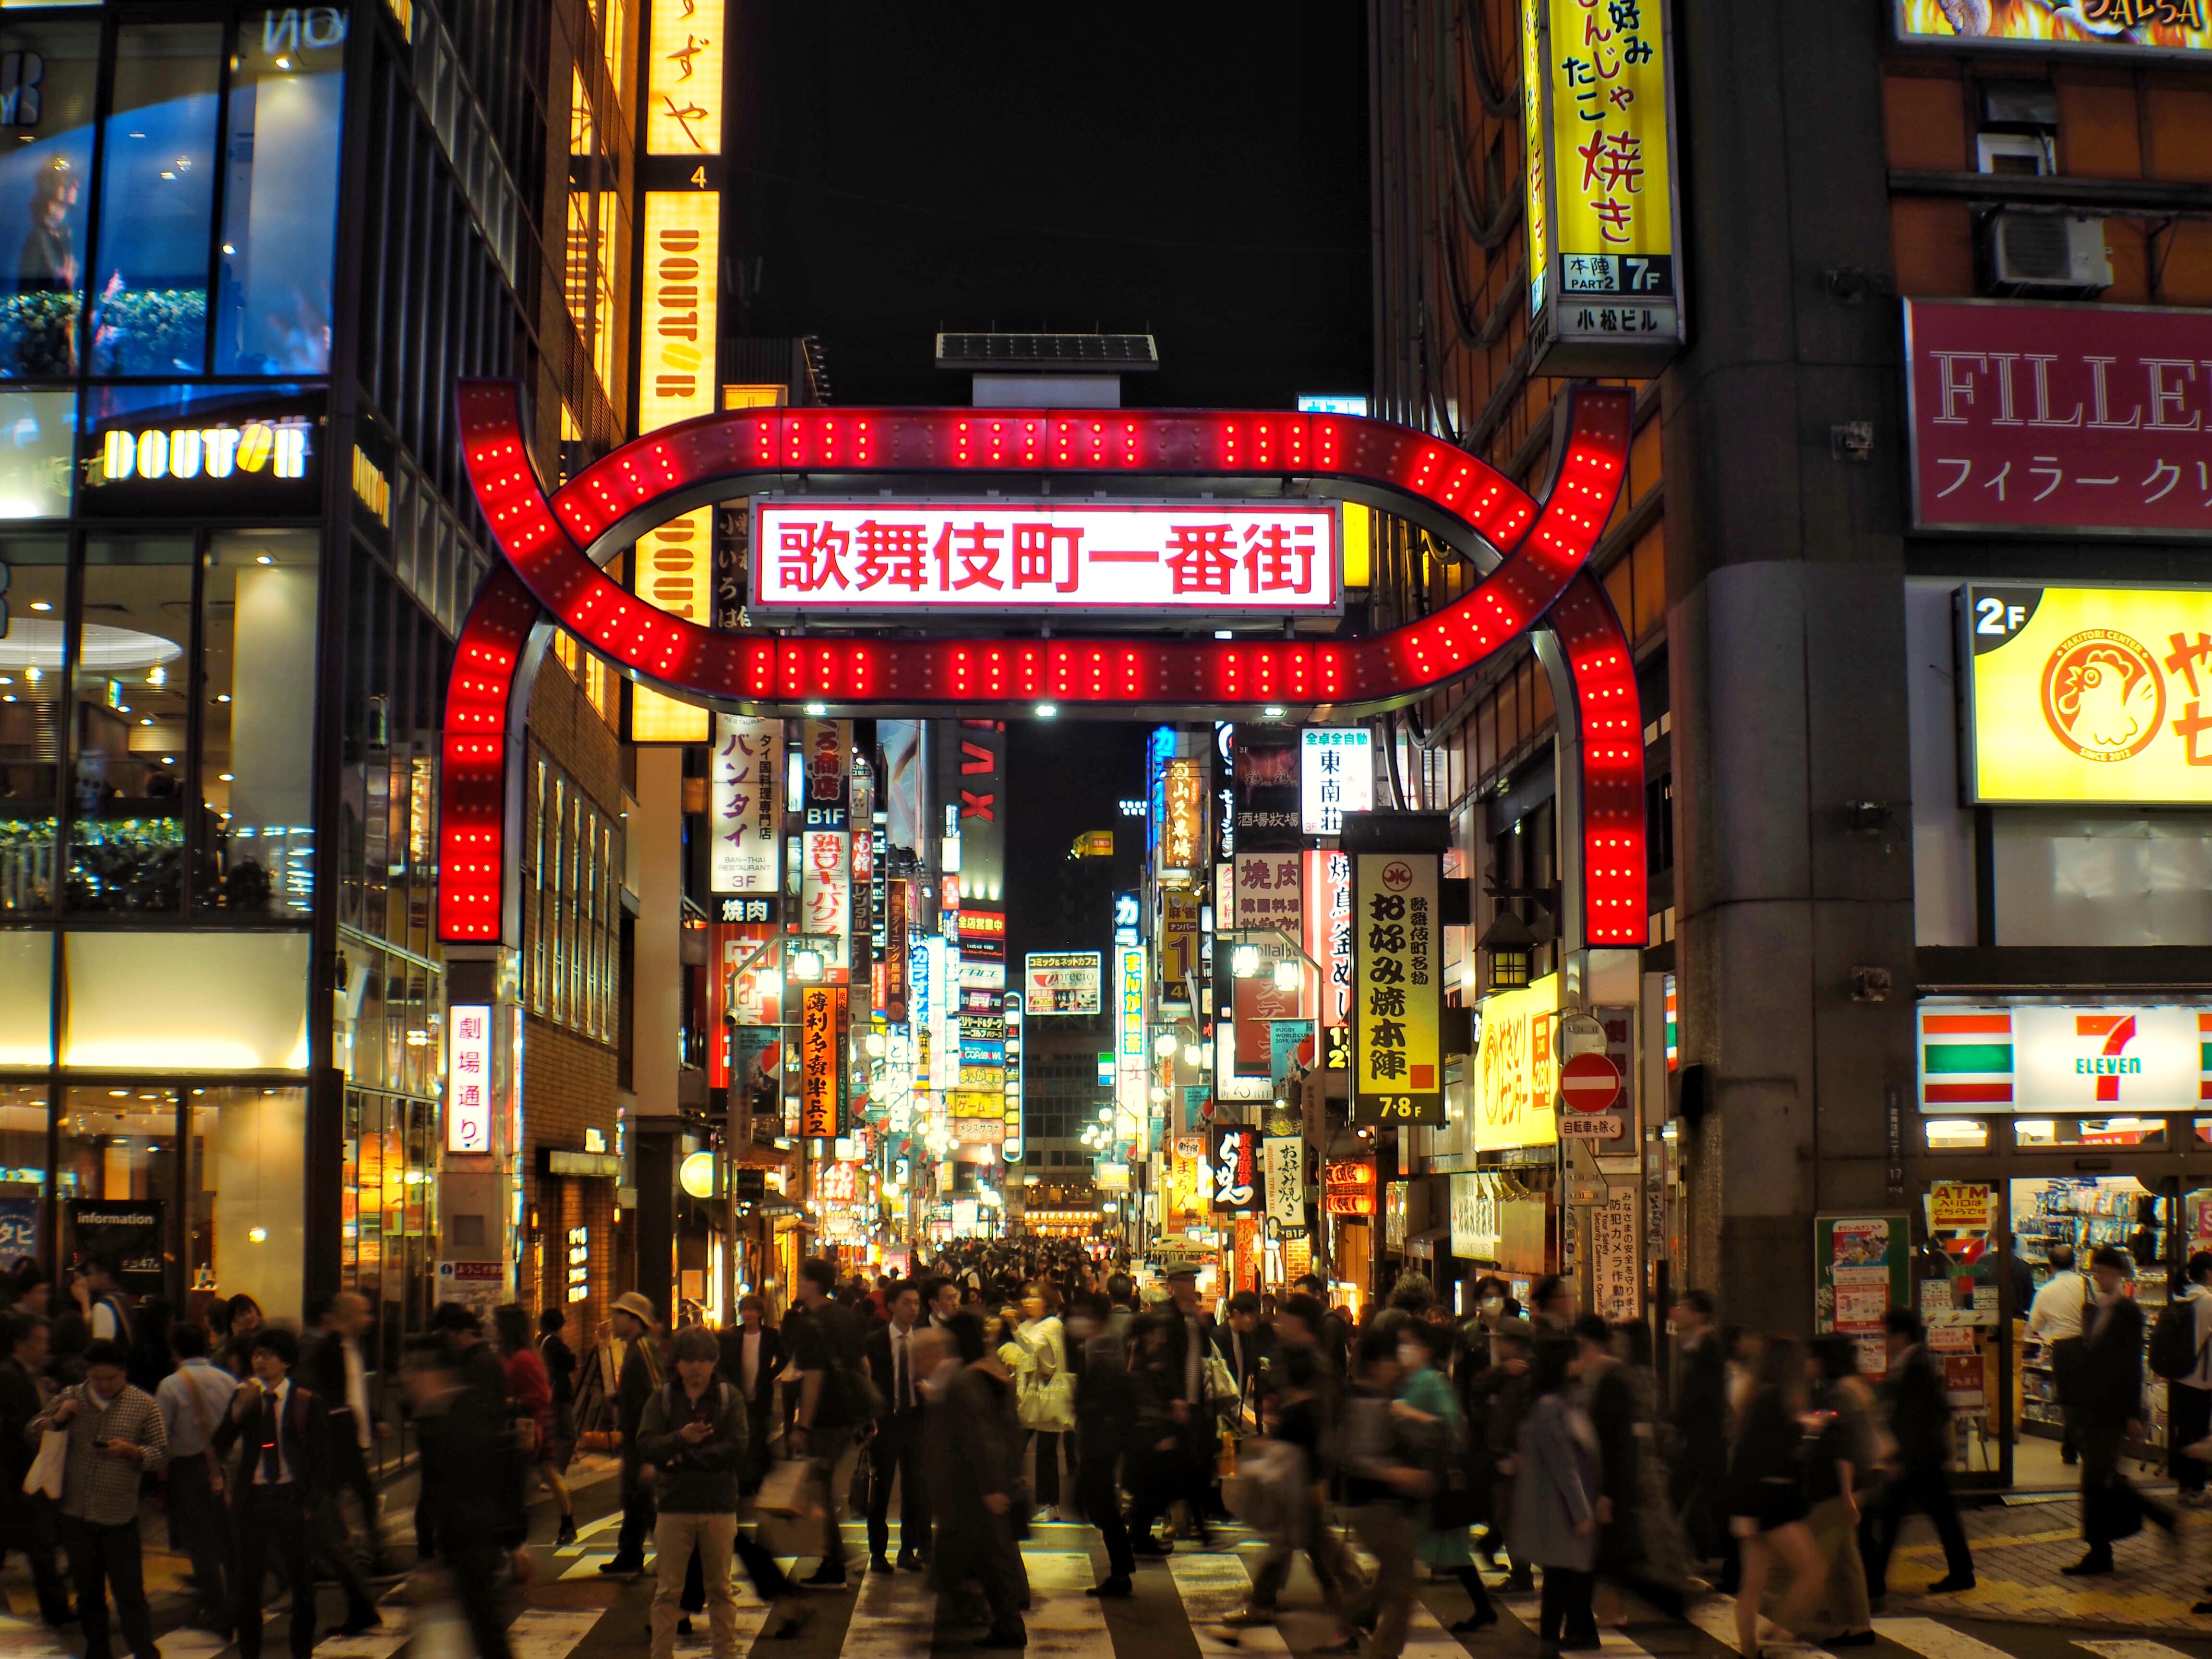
(2047,255)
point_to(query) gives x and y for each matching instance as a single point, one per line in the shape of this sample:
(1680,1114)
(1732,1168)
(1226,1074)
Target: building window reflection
(48,75)
(115,1181)
(281,178)
(257,742)
(31,658)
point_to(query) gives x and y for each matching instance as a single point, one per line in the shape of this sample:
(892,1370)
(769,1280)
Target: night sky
(1200,171)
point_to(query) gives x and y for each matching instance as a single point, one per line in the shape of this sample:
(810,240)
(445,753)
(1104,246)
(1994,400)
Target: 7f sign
(1397,991)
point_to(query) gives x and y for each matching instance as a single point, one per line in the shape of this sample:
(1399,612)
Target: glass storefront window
(2088,1132)
(257,730)
(31,658)
(1951,1134)
(157,202)
(116,1179)
(38,434)
(23,1170)
(48,73)
(280,193)
(130,697)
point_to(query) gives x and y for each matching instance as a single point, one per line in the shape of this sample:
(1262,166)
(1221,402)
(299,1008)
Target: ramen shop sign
(877,557)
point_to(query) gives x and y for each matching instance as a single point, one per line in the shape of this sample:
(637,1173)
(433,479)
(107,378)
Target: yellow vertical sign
(684,79)
(679,317)
(1533,178)
(1600,170)
(1397,989)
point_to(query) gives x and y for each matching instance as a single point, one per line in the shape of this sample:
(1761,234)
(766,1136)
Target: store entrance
(1986,1218)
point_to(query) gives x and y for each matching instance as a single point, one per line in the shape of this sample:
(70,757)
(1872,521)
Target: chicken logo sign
(2087,695)
(2102,695)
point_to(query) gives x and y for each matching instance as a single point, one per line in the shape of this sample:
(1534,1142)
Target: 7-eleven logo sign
(2111,1062)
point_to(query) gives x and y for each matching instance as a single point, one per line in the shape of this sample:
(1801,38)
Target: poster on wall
(1861,1271)
(1616,1279)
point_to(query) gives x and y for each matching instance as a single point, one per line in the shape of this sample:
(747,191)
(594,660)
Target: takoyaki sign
(2092,695)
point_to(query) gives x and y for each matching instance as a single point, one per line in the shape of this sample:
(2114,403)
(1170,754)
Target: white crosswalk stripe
(2131,1650)
(1528,1610)
(1212,1587)
(1716,1616)
(550,1632)
(1063,1622)
(21,1639)
(1932,1639)
(387,1639)
(893,1616)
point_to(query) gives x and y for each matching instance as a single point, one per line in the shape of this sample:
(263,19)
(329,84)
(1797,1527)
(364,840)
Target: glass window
(37,432)
(48,72)
(1956,1134)
(31,720)
(116,1179)
(23,1170)
(256,732)
(2088,1132)
(245,1228)
(280,193)
(157,202)
(130,700)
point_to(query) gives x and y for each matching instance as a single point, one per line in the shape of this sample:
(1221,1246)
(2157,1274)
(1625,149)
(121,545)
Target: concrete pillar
(1787,646)
(655,830)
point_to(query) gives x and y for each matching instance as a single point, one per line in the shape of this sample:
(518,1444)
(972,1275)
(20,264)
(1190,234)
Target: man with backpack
(692,1445)
(835,1398)
(2181,1353)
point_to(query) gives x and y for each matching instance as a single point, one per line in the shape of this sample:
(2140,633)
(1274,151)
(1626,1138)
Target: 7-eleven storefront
(2040,1124)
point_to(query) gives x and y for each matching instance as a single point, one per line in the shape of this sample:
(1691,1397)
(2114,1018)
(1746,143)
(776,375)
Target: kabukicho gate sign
(1183,518)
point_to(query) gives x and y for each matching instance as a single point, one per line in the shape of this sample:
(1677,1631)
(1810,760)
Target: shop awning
(1427,1242)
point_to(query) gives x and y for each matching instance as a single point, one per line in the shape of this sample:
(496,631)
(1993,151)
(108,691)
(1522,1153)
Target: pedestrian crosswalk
(1178,1611)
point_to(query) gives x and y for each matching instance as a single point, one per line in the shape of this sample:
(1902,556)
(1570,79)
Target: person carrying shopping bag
(1046,1396)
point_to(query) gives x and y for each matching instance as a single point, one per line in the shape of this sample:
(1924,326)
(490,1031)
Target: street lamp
(1244,961)
(807,965)
(1287,975)
(1165,1044)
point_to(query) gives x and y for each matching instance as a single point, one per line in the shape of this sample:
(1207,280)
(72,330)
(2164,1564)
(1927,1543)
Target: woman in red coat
(530,1396)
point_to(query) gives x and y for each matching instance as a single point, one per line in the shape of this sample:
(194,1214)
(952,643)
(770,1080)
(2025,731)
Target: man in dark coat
(1105,1415)
(975,1448)
(894,1447)
(1701,1423)
(473,1482)
(641,1374)
(1919,1411)
(26,1523)
(2108,1410)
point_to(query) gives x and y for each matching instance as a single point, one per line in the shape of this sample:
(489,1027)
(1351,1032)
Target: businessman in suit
(895,1365)
(1919,1409)
(2108,1411)
(1242,1343)
(752,1354)
(284,1468)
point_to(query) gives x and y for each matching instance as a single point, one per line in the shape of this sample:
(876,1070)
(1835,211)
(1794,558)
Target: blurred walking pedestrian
(193,1399)
(1917,1407)
(2108,1413)
(1766,1504)
(1841,1466)
(632,1322)
(1555,1500)
(975,1441)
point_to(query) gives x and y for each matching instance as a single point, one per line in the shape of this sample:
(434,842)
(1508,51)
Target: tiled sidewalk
(2018,1553)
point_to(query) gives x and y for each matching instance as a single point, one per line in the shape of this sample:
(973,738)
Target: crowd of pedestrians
(1007,1383)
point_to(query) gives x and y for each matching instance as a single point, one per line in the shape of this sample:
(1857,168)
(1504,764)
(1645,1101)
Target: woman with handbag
(1046,1400)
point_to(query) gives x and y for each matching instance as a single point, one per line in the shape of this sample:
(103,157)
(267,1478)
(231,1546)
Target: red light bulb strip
(475,903)
(736,452)
(1611,714)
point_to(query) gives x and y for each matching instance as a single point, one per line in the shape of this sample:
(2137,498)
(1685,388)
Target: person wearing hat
(642,1376)
(456,1327)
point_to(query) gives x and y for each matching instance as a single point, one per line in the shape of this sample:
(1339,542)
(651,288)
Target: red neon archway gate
(548,574)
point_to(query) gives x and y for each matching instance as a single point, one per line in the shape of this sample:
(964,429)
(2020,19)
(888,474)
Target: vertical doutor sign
(818,1061)
(745,817)
(1397,992)
(1604,284)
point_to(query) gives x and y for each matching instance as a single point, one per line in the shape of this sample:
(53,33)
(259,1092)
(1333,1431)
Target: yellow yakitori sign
(2092,694)
(1516,1068)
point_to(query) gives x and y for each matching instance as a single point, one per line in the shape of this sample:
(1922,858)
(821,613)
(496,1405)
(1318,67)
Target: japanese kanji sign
(2060,418)
(1286,1166)
(744,816)
(1516,1068)
(1183,827)
(1604,284)
(1235,1158)
(875,556)
(825,896)
(821,1053)
(1328,930)
(1336,776)
(1397,989)
(468,1079)
(2101,695)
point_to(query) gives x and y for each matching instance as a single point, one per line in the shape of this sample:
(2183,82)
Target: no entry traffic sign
(1589,1084)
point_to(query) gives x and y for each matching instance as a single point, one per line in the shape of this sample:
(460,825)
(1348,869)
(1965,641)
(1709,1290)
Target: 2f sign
(1996,619)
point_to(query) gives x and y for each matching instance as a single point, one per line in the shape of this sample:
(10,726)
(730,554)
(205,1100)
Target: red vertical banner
(895,949)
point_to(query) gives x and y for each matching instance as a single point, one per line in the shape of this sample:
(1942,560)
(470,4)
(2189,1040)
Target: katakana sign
(1397,994)
(744,818)
(876,557)
(1604,284)
(2060,418)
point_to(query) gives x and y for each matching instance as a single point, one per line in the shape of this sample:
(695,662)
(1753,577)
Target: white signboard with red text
(879,557)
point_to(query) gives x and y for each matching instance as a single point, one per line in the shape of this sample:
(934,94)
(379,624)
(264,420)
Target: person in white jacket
(2055,1319)
(1046,1388)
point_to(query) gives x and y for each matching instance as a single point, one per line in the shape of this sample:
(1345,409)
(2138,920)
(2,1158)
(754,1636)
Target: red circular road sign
(1588,1083)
